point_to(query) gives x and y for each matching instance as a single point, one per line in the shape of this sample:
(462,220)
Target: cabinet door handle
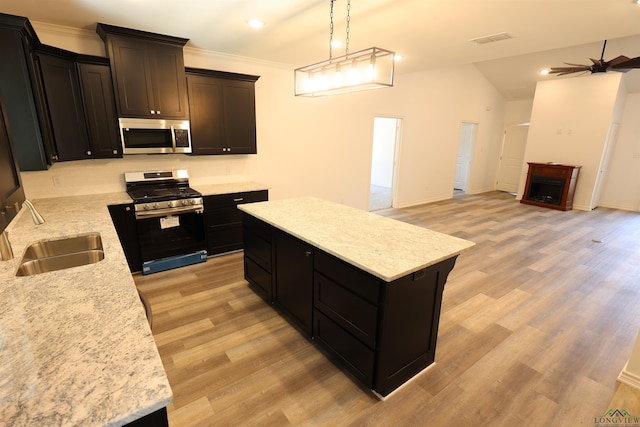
(88,152)
(115,151)
(307,253)
(239,199)
(153,111)
(158,112)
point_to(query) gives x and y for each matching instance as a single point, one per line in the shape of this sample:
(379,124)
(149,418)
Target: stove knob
(169,204)
(145,207)
(155,206)
(193,201)
(185,202)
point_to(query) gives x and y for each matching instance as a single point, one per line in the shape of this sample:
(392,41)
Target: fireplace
(551,185)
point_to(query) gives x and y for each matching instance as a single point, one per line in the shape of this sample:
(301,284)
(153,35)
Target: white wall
(569,124)
(319,146)
(622,185)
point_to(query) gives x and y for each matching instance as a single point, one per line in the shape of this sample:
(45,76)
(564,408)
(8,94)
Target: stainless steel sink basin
(60,254)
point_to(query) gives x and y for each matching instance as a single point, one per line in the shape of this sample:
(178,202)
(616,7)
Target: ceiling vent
(490,39)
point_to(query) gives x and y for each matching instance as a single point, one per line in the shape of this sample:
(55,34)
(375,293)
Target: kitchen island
(366,288)
(75,345)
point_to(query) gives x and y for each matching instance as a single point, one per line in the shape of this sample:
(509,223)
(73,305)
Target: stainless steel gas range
(169,217)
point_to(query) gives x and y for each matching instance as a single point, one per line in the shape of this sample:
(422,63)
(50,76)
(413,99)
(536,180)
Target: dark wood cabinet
(551,185)
(258,255)
(293,288)
(99,109)
(224,220)
(20,84)
(64,104)
(148,73)
(124,221)
(80,104)
(11,190)
(222,112)
(383,332)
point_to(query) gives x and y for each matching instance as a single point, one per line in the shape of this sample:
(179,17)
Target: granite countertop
(75,345)
(227,188)
(387,248)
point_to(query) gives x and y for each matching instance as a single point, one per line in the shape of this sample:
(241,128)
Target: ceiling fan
(620,63)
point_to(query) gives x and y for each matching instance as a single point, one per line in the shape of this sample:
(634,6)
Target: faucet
(37,218)
(6,253)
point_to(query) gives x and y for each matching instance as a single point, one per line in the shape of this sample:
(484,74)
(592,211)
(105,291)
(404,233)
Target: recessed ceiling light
(398,57)
(338,43)
(545,71)
(256,23)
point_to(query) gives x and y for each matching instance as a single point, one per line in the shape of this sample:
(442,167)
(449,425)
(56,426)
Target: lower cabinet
(224,220)
(124,220)
(155,419)
(383,332)
(293,288)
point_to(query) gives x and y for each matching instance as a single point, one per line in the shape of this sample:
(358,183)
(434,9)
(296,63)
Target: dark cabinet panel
(100,110)
(222,112)
(357,356)
(409,327)
(258,254)
(11,191)
(168,78)
(148,70)
(224,220)
(19,83)
(383,332)
(206,114)
(294,279)
(124,220)
(64,102)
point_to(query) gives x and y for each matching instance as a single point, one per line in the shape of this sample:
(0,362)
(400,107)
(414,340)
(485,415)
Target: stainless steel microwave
(149,136)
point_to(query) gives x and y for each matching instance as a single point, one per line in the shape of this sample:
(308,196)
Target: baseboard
(629,378)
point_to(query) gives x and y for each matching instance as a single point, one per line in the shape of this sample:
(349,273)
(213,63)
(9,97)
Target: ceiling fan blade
(628,64)
(565,71)
(617,60)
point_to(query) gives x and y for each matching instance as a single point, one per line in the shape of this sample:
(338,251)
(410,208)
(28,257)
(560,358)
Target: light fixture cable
(346,42)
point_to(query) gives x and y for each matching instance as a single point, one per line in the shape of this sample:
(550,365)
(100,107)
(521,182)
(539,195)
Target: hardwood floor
(538,320)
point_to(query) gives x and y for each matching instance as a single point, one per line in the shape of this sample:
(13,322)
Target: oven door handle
(169,212)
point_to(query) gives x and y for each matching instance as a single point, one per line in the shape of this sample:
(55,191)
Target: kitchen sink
(60,254)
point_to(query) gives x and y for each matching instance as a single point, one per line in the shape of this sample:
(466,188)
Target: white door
(512,158)
(465,148)
(612,135)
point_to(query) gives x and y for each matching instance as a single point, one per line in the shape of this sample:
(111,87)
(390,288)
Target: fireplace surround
(551,185)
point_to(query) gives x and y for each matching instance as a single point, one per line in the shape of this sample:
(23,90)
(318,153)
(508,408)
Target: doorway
(463,162)
(386,137)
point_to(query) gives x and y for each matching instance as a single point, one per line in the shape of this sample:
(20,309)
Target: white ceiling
(427,33)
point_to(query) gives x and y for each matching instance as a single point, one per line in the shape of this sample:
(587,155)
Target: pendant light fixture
(366,69)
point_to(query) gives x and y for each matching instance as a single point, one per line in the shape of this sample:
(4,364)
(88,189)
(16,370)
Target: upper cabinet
(64,104)
(99,107)
(148,73)
(22,89)
(11,191)
(223,112)
(80,104)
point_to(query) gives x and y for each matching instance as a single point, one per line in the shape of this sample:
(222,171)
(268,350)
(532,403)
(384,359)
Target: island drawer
(349,277)
(353,313)
(357,356)
(257,241)
(258,276)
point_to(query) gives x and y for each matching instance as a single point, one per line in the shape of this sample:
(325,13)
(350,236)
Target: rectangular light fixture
(367,69)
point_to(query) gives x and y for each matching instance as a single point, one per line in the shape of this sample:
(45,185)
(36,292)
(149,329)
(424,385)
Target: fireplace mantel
(551,185)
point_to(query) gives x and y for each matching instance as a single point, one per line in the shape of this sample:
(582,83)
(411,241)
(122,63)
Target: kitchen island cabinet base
(385,333)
